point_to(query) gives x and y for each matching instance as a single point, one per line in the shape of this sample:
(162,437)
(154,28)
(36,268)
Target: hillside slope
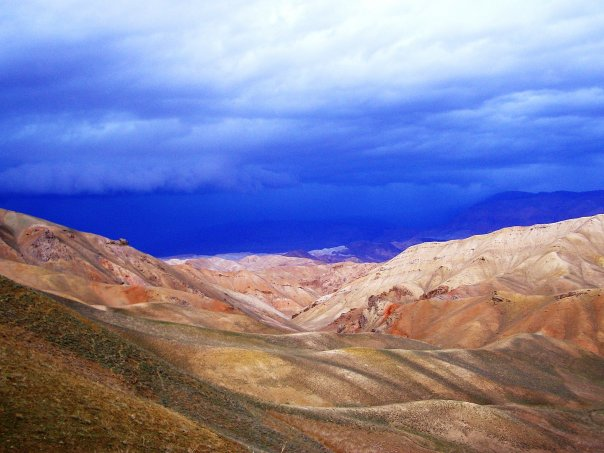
(470,292)
(493,343)
(103,272)
(106,381)
(286,283)
(70,383)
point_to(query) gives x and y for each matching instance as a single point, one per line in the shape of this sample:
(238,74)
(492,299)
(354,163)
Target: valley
(490,343)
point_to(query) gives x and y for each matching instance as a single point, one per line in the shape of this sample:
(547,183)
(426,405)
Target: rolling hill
(492,343)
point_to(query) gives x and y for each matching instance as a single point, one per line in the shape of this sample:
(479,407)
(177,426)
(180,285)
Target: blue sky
(388,113)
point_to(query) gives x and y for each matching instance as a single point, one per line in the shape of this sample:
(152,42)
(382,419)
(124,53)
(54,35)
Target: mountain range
(493,342)
(496,212)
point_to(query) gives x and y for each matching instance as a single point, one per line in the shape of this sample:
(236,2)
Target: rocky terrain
(287,283)
(491,343)
(470,292)
(110,274)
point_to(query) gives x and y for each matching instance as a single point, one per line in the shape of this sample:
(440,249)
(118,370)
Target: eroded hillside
(493,343)
(468,293)
(286,283)
(109,273)
(79,378)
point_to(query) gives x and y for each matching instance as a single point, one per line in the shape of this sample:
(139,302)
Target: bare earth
(492,343)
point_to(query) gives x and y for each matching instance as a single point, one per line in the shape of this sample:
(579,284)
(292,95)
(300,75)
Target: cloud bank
(183,96)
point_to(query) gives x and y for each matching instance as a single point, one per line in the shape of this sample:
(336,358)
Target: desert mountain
(490,344)
(109,273)
(543,279)
(254,293)
(287,283)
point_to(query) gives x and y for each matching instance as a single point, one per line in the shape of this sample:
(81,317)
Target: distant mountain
(498,211)
(358,251)
(520,209)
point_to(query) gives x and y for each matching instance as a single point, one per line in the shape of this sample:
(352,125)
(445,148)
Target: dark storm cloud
(147,96)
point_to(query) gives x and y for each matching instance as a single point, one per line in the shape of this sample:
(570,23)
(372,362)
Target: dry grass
(89,380)
(113,365)
(57,401)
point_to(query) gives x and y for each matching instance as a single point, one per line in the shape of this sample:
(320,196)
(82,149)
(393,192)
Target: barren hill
(493,343)
(469,292)
(190,388)
(109,273)
(286,283)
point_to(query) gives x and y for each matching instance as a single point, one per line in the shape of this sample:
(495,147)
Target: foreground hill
(70,383)
(76,378)
(542,279)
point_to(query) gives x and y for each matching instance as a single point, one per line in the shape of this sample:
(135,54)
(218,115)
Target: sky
(203,127)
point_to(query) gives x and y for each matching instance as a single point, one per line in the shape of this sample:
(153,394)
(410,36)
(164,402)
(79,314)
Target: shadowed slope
(54,400)
(361,376)
(454,426)
(98,363)
(66,368)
